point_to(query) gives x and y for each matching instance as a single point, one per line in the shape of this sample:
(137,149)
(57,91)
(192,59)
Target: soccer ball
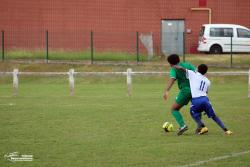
(168,127)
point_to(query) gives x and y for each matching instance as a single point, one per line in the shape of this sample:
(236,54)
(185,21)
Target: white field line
(216,159)
(52,96)
(60,105)
(219,73)
(7,104)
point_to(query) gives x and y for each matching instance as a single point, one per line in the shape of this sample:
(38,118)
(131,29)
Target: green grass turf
(242,60)
(220,60)
(102,127)
(74,55)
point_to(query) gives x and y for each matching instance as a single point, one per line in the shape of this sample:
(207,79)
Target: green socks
(178,117)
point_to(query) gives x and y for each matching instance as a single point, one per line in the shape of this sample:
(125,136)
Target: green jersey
(180,76)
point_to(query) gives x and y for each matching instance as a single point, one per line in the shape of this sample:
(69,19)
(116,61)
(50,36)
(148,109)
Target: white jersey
(199,84)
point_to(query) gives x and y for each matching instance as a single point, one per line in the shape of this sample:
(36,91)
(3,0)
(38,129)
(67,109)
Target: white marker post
(15,82)
(129,81)
(71,82)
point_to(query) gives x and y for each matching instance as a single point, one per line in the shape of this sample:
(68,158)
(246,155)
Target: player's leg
(182,99)
(195,112)
(211,114)
(198,120)
(220,123)
(177,115)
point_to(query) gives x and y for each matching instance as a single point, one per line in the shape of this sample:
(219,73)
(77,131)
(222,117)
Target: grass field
(102,127)
(74,55)
(224,60)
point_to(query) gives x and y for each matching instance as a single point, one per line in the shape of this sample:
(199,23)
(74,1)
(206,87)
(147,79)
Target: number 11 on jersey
(202,85)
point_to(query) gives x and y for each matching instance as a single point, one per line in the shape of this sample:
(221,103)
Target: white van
(216,38)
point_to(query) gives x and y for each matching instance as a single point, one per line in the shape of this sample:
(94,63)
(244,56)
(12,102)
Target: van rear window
(242,33)
(221,32)
(202,31)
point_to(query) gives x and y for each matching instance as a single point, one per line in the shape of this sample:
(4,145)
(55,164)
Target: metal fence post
(137,47)
(184,43)
(231,61)
(2,45)
(92,46)
(47,45)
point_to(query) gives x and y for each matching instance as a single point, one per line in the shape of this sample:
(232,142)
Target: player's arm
(208,87)
(187,71)
(168,87)
(179,68)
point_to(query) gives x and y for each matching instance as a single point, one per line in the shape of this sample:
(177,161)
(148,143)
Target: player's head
(202,68)
(173,59)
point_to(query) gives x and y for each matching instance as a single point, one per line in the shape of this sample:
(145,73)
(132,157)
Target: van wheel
(215,49)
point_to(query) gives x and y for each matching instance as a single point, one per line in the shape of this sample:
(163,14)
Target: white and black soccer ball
(168,127)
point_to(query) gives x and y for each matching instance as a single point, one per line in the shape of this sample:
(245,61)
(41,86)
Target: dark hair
(173,59)
(202,68)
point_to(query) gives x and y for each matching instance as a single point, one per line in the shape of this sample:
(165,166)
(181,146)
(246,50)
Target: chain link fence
(90,46)
(76,45)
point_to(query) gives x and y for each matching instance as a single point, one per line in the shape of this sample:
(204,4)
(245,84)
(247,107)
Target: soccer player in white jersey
(199,85)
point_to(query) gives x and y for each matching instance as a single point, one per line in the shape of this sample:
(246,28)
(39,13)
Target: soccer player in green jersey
(184,95)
